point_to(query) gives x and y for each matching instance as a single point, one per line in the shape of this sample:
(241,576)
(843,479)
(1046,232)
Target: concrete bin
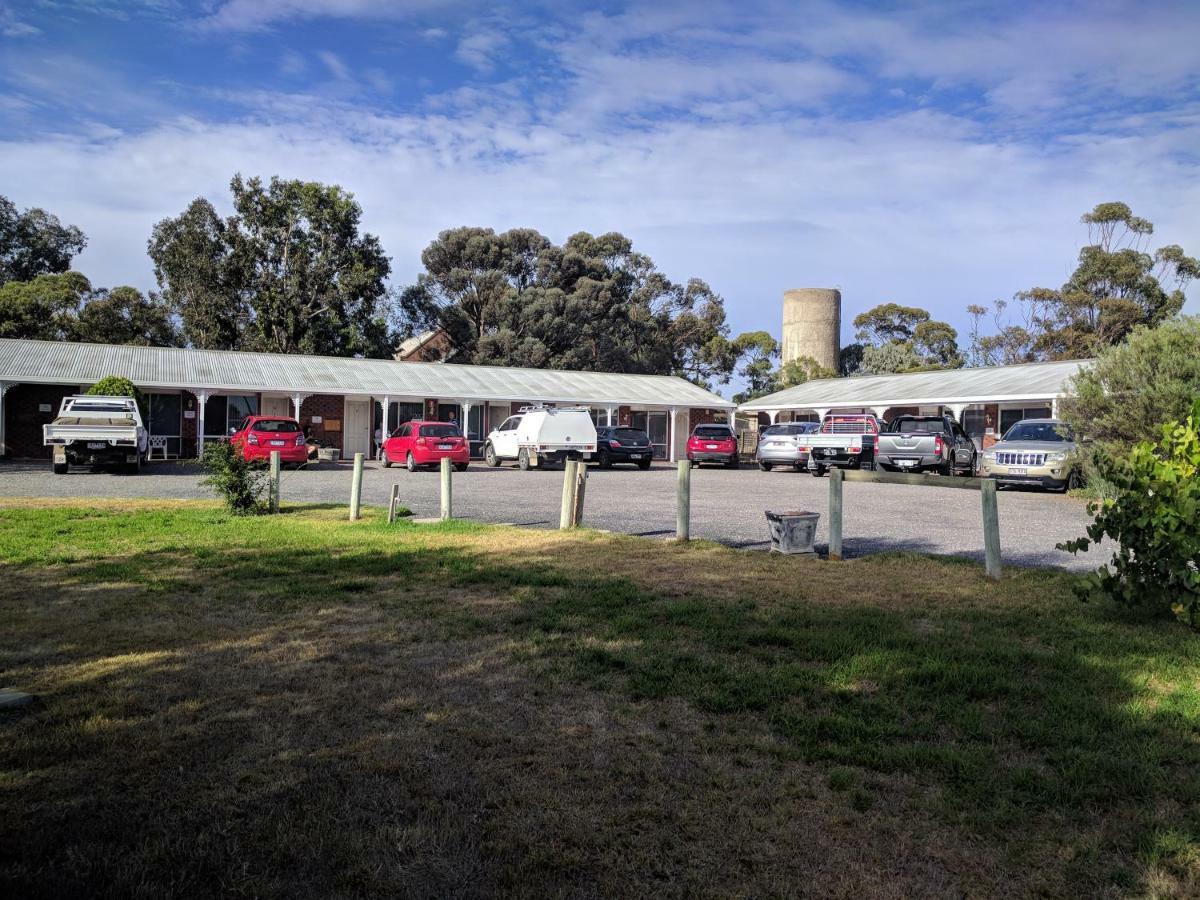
(793,532)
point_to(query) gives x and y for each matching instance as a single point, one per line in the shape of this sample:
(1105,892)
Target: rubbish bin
(793,532)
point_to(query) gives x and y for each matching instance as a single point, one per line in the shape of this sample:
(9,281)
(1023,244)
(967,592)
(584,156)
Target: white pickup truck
(845,441)
(551,434)
(96,431)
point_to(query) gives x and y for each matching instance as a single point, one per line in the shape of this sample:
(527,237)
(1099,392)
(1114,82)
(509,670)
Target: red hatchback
(713,443)
(426,444)
(257,436)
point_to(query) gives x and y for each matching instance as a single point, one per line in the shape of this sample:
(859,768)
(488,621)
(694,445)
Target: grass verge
(300,704)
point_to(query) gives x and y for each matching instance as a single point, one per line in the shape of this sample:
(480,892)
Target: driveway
(727,505)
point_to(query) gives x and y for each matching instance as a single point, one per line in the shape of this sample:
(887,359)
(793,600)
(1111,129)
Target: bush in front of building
(241,483)
(118,386)
(1154,516)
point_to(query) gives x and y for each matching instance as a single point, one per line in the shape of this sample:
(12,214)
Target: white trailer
(96,431)
(539,434)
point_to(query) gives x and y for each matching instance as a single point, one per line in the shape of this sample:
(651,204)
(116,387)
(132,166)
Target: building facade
(985,401)
(195,396)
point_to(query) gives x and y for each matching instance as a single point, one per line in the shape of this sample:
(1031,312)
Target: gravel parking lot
(727,506)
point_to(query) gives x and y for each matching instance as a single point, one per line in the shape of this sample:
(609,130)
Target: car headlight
(1055,457)
(990,456)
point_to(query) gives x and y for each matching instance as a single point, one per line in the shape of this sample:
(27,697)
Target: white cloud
(250,15)
(13,27)
(479,49)
(334,64)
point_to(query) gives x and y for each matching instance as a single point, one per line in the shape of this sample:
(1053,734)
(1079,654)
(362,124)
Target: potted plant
(793,532)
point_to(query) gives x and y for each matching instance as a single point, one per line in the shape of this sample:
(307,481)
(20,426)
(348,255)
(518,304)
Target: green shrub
(1155,519)
(240,483)
(118,386)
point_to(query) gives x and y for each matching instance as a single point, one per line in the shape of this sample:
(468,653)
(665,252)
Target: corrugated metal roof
(1031,381)
(50,362)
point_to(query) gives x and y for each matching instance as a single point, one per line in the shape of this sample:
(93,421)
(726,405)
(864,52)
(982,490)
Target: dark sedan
(622,445)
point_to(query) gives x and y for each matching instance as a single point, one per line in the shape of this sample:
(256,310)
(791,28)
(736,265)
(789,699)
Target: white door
(504,441)
(356,429)
(277,406)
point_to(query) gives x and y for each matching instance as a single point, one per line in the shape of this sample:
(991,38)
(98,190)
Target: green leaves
(1155,519)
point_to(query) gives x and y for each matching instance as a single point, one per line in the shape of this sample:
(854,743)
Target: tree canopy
(1118,285)
(289,272)
(593,303)
(897,338)
(34,242)
(66,307)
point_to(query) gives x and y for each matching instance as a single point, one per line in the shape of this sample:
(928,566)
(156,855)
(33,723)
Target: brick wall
(327,406)
(705,417)
(991,419)
(23,421)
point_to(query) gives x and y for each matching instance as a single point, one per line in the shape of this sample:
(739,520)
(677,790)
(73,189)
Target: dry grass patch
(302,705)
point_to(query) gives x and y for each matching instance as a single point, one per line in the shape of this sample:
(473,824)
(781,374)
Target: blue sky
(935,155)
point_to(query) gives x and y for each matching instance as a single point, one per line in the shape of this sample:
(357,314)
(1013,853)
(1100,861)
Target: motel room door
(356,430)
(277,406)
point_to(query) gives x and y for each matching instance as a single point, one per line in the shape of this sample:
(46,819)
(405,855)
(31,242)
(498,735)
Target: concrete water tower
(812,325)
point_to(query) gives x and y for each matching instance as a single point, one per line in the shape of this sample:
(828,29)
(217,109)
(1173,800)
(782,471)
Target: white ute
(96,431)
(542,433)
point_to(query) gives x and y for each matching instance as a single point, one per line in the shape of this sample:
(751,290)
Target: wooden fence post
(835,513)
(356,487)
(567,508)
(274,489)
(447,498)
(683,496)
(580,492)
(393,503)
(991,529)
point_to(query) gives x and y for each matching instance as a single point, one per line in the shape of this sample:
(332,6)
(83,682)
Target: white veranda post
(671,433)
(957,410)
(609,412)
(297,400)
(201,402)
(773,414)
(465,425)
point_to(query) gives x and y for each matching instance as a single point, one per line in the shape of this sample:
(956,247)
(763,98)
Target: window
(510,424)
(447,430)
(1010,417)
(276,426)
(790,429)
(404,431)
(1053,432)
(712,431)
(223,412)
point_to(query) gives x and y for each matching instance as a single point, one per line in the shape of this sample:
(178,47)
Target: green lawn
(299,704)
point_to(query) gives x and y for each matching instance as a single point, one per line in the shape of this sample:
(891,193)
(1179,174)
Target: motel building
(201,395)
(985,401)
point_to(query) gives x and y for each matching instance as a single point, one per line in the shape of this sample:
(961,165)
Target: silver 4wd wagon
(1040,452)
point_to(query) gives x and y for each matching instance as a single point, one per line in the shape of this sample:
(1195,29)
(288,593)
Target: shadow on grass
(1027,722)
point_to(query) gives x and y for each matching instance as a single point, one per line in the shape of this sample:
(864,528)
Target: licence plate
(444,446)
(97,445)
(710,446)
(635,456)
(276,443)
(1017,470)
(906,462)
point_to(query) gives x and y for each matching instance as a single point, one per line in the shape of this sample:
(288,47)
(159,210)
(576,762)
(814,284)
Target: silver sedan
(784,445)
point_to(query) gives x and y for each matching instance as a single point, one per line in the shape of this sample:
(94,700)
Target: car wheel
(410,463)
(945,469)
(387,460)
(817,471)
(1074,480)
(733,463)
(644,464)
(461,467)
(523,460)
(765,466)
(490,457)
(605,459)
(60,468)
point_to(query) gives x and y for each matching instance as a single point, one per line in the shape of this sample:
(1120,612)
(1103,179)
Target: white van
(542,434)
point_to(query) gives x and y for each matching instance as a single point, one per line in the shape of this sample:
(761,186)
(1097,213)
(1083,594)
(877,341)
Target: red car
(257,436)
(713,443)
(425,444)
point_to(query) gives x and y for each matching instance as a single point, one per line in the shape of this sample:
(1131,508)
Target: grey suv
(784,445)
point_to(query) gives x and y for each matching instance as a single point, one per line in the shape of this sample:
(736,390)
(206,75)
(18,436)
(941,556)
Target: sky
(935,155)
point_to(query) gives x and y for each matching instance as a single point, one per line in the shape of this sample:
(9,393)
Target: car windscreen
(913,426)
(790,429)
(632,435)
(1050,432)
(276,426)
(119,408)
(717,432)
(439,431)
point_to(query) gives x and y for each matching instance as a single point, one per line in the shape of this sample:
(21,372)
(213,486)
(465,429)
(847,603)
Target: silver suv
(1041,452)
(784,445)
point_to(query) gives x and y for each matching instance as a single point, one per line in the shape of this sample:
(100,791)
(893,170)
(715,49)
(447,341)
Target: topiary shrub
(118,386)
(240,483)
(1154,516)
